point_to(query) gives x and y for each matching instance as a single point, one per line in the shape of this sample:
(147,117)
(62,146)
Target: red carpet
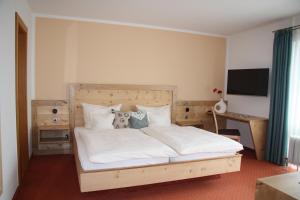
(55,178)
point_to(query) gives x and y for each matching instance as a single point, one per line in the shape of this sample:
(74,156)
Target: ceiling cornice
(35,15)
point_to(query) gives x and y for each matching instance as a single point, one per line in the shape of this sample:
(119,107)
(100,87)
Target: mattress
(88,166)
(190,140)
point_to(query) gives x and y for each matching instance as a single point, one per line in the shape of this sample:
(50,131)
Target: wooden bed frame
(129,96)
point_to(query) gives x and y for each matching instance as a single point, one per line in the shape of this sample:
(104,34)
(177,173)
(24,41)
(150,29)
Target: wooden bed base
(127,177)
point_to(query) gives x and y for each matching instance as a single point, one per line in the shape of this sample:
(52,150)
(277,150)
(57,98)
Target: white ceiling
(220,17)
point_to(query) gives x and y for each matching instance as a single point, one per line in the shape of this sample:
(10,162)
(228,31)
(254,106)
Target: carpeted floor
(55,178)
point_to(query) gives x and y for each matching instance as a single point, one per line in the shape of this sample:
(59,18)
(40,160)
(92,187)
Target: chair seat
(233,132)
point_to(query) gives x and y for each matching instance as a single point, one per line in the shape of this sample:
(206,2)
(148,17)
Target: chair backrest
(215,120)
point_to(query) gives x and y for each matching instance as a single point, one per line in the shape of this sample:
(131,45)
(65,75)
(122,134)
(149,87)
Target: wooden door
(21,96)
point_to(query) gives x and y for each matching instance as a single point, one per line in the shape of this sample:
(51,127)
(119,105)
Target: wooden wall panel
(127,95)
(198,112)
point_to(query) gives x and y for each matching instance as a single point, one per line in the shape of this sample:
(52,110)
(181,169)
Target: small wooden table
(280,187)
(258,128)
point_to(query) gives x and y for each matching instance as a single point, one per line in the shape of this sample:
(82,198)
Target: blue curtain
(277,137)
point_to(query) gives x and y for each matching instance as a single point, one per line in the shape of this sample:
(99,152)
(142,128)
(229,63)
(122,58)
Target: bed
(95,177)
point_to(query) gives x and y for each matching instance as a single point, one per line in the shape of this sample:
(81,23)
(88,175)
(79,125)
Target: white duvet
(190,140)
(105,146)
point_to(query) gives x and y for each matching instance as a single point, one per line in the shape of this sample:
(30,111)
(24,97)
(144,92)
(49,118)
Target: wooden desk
(258,128)
(280,187)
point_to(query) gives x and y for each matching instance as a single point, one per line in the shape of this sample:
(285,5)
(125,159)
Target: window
(294,88)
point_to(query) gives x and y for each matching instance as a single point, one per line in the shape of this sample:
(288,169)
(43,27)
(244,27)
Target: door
(21,96)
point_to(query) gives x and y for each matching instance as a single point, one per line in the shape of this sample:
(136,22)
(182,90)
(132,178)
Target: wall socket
(187,109)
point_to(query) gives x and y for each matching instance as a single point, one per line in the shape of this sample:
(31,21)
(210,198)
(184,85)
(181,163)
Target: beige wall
(72,51)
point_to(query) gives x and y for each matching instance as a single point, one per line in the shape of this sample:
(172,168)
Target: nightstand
(194,123)
(50,127)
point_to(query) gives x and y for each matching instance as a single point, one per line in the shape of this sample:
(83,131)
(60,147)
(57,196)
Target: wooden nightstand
(195,123)
(50,127)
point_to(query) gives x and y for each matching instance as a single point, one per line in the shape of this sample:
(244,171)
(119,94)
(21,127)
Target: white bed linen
(157,116)
(106,146)
(200,156)
(87,165)
(191,140)
(90,109)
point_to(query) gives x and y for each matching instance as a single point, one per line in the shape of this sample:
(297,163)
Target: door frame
(20,26)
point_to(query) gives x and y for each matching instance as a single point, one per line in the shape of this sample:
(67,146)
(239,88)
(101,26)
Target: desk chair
(233,134)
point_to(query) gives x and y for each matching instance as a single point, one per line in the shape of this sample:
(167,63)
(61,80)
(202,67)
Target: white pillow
(89,109)
(157,116)
(102,120)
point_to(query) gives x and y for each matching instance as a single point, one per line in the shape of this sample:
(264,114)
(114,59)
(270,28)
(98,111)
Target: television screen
(248,81)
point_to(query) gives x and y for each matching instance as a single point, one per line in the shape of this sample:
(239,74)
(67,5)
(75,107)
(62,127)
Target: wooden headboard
(111,94)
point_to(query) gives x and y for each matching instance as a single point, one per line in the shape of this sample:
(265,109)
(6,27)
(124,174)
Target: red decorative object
(217,91)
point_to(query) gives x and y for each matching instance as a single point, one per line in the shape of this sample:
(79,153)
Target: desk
(258,128)
(280,187)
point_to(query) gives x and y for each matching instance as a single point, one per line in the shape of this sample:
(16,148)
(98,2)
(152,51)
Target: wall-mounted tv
(248,81)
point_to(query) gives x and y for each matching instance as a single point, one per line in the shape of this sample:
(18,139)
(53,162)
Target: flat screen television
(248,81)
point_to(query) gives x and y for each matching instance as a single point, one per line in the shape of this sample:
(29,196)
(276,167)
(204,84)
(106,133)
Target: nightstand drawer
(54,136)
(53,139)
